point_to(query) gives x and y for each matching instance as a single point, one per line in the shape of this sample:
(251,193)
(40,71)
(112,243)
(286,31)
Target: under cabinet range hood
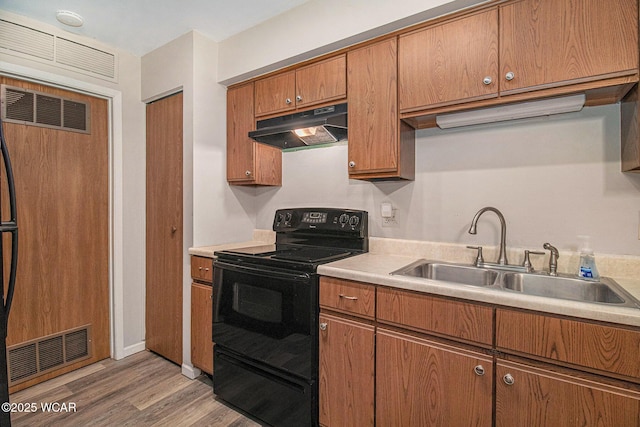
(319,126)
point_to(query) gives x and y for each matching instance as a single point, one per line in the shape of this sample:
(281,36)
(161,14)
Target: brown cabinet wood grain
(424,383)
(201,326)
(348,297)
(248,162)
(530,396)
(346,372)
(552,43)
(425,313)
(304,87)
(597,346)
(380,145)
(202,269)
(455,61)
(630,131)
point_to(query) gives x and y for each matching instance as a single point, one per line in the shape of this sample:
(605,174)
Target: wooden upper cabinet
(380,146)
(321,82)
(450,62)
(314,84)
(552,43)
(248,162)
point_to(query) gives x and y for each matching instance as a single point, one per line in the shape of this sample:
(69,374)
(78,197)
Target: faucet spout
(502,257)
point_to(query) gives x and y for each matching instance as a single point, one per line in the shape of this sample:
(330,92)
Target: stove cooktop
(306,254)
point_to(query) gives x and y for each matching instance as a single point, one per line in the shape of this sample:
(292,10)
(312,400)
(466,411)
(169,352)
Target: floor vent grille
(38,109)
(60,51)
(36,357)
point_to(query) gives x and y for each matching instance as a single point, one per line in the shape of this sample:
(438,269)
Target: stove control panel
(321,220)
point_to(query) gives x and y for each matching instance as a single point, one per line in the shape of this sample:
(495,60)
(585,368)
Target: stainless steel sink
(605,291)
(448,272)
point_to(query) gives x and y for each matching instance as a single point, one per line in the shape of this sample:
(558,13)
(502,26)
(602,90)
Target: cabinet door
(275,94)
(379,145)
(321,82)
(528,396)
(549,43)
(248,162)
(424,383)
(346,372)
(201,323)
(240,148)
(449,63)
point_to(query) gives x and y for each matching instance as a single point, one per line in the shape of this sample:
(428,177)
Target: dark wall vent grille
(39,109)
(33,358)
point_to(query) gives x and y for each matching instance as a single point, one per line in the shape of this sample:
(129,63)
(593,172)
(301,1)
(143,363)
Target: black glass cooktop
(304,254)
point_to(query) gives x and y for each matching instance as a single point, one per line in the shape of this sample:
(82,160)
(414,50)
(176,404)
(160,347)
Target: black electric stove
(265,313)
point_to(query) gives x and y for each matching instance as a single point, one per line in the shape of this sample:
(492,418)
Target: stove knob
(354,220)
(344,218)
(287,217)
(279,218)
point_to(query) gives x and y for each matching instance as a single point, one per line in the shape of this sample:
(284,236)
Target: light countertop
(376,268)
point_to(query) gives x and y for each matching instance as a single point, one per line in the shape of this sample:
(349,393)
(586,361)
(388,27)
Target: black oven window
(257,303)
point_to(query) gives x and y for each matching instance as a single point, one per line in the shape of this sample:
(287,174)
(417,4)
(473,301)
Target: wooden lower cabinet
(424,383)
(201,324)
(346,376)
(531,396)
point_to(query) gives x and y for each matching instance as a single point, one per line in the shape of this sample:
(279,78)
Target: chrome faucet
(502,257)
(553,259)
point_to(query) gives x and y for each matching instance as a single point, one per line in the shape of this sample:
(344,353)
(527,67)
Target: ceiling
(140,26)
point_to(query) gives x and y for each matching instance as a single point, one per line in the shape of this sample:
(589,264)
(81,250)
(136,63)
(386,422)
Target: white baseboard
(190,372)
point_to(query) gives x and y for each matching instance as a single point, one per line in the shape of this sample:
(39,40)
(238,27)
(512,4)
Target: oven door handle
(303,277)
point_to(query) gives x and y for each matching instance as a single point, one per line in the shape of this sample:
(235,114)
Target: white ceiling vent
(84,57)
(26,40)
(60,51)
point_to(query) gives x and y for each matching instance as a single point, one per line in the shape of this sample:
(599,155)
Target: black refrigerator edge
(10,226)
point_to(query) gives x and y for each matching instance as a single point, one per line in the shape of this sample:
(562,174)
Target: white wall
(318,27)
(553,179)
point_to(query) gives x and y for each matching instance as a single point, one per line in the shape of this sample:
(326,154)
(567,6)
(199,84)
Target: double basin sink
(603,291)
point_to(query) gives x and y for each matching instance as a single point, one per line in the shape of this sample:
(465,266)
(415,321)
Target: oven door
(267,315)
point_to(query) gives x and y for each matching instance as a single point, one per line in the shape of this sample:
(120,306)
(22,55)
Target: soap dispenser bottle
(587,268)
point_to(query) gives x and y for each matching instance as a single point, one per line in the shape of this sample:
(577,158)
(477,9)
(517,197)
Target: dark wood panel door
(164,228)
(62,192)
(201,326)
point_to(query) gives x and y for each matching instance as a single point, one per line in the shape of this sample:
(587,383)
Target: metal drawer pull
(323,326)
(205,268)
(479,370)
(348,297)
(508,379)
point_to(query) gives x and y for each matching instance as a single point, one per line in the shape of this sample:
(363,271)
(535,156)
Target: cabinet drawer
(598,346)
(347,296)
(202,269)
(425,313)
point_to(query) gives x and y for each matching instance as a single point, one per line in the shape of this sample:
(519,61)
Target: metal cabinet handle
(479,370)
(487,80)
(298,98)
(509,75)
(508,379)
(173,229)
(287,101)
(248,173)
(352,164)
(323,326)
(348,297)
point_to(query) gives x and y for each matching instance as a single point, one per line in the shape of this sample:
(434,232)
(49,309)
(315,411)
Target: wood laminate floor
(140,390)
